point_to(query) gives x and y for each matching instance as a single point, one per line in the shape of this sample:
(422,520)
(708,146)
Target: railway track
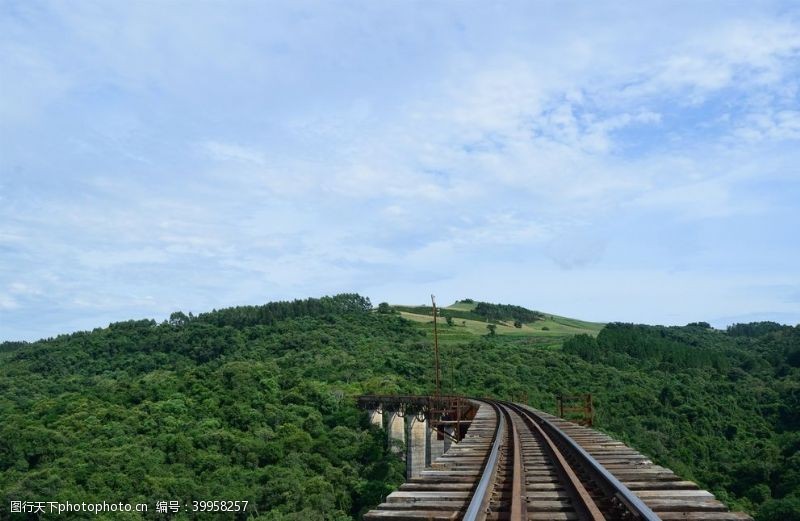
(520,464)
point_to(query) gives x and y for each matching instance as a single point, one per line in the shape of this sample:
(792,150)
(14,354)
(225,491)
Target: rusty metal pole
(458,418)
(452,378)
(436,349)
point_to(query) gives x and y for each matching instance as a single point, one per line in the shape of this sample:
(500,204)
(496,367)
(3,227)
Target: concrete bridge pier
(416,453)
(396,432)
(434,446)
(376,417)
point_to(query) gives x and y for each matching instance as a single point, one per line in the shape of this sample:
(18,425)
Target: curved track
(544,475)
(520,464)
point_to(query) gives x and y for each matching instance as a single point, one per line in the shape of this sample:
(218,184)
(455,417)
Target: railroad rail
(517,463)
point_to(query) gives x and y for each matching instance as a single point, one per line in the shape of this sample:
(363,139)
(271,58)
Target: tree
(492,329)
(449,320)
(702,325)
(178,318)
(384,308)
(787,509)
(517,324)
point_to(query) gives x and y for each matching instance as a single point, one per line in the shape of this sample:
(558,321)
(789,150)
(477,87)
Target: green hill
(256,404)
(470,318)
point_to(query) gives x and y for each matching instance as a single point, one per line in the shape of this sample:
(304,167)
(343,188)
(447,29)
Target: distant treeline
(692,346)
(243,316)
(755,329)
(663,346)
(11,346)
(483,311)
(507,312)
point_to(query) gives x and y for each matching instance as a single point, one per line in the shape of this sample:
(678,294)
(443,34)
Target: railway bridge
(482,459)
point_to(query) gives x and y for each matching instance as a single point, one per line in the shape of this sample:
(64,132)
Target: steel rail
(582,501)
(636,506)
(483,492)
(519,505)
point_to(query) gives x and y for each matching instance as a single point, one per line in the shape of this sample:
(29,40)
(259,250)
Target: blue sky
(609,162)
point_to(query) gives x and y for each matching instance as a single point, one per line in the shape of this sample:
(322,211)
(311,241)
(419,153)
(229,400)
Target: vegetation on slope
(254,403)
(207,408)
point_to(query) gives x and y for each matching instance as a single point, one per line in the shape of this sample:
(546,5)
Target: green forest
(257,404)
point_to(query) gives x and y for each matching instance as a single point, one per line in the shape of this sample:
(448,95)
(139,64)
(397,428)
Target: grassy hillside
(466,324)
(255,404)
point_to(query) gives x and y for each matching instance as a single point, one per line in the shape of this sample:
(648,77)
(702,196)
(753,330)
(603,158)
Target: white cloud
(769,125)
(734,53)
(7,302)
(232,152)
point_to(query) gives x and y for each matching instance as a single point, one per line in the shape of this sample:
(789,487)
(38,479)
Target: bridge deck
(446,489)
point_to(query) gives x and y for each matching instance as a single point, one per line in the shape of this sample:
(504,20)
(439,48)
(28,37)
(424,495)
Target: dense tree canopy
(506,312)
(192,409)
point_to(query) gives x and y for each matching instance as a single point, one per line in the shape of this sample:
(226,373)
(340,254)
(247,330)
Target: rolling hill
(466,324)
